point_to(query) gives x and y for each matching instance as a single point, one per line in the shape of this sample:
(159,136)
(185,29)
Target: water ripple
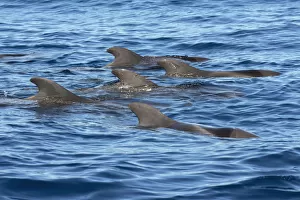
(96,151)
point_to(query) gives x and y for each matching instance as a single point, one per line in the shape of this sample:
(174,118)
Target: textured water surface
(95,151)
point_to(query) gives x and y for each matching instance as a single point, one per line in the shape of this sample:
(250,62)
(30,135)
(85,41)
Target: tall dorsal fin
(149,116)
(51,90)
(132,79)
(124,57)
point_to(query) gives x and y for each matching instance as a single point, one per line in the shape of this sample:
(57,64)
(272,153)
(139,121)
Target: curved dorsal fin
(149,116)
(124,57)
(175,67)
(51,90)
(132,79)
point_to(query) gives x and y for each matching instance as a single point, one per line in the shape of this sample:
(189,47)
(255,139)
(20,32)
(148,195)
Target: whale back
(132,79)
(178,68)
(230,132)
(124,57)
(256,73)
(50,90)
(150,117)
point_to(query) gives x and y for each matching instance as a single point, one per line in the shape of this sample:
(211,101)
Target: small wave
(67,72)
(61,34)
(54,46)
(73,188)
(180,3)
(242,33)
(162,39)
(208,46)
(279,187)
(256,64)
(285,158)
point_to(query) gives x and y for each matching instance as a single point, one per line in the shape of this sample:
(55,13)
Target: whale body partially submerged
(150,117)
(176,68)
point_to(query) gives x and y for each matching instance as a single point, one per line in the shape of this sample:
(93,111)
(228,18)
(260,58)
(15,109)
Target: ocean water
(96,151)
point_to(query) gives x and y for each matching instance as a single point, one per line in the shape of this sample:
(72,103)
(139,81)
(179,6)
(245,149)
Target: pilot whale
(127,58)
(150,117)
(176,68)
(52,92)
(129,81)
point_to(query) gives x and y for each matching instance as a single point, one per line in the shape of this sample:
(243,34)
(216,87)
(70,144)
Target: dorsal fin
(175,67)
(149,116)
(132,79)
(124,57)
(51,90)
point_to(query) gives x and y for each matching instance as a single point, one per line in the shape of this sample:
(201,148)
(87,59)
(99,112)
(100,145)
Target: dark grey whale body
(12,55)
(176,68)
(150,117)
(126,58)
(51,92)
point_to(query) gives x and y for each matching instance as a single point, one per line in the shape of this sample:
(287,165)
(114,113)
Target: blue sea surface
(96,151)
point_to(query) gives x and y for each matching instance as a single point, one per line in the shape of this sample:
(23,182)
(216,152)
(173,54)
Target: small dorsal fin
(175,67)
(149,116)
(51,90)
(124,57)
(132,79)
